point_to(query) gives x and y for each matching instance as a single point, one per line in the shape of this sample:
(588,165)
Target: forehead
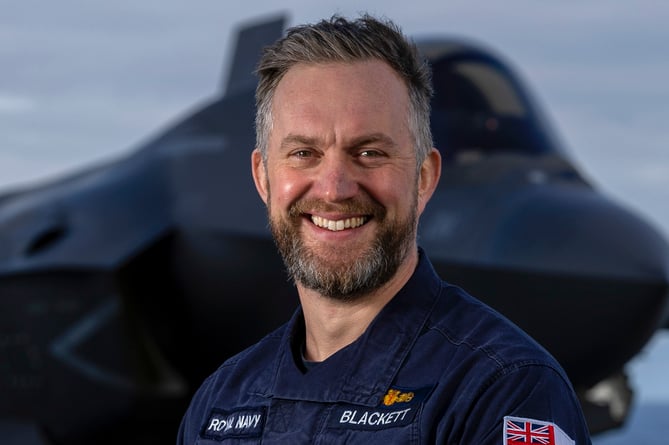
(371,73)
(366,92)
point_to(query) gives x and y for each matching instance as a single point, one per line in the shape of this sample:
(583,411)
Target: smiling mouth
(340,224)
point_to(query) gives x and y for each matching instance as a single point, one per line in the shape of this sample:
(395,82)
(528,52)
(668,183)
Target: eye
(303,157)
(302,153)
(370,153)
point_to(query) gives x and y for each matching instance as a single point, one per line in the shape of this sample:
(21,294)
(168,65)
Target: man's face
(340,181)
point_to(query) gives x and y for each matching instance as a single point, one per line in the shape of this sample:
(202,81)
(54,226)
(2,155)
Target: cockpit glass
(478,109)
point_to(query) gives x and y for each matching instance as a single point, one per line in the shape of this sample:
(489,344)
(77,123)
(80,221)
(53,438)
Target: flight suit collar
(362,372)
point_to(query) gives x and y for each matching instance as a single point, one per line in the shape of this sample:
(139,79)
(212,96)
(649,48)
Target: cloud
(13,104)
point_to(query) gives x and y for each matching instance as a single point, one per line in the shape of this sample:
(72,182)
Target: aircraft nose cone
(592,278)
(579,232)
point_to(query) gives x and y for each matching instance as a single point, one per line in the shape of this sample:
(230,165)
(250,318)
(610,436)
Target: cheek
(396,192)
(286,188)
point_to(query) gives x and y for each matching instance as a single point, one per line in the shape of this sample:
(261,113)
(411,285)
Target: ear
(430,172)
(259,175)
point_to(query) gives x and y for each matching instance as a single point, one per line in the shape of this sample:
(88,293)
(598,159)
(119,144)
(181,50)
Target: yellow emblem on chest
(395,396)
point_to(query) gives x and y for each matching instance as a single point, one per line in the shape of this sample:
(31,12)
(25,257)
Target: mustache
(354,206)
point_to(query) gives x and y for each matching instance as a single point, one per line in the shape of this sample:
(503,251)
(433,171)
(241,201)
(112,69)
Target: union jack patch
(519,430)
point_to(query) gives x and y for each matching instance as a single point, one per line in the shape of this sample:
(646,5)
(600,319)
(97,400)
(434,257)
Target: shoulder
(233,381)
(473,349)
(467,323)
(460,323)
(492,370)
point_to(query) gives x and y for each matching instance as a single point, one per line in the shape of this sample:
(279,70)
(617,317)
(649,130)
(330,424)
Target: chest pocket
(355,424)
(311,423)
(394,420)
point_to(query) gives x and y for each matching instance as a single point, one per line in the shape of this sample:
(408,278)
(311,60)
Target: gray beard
(351,278)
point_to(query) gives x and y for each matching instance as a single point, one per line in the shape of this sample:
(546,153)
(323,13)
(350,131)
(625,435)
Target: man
(381,350)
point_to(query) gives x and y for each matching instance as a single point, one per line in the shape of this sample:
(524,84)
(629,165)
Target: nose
(337,179)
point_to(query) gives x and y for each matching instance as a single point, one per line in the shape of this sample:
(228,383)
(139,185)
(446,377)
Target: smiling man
(381,350)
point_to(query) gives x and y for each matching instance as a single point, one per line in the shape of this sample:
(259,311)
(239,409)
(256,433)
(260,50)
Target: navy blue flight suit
(436,366)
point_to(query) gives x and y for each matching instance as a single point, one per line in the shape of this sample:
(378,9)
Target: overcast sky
(83,81)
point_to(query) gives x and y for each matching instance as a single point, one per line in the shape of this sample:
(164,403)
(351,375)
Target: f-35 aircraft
(123,286)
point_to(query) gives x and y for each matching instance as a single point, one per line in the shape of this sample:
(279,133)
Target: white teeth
(340,224)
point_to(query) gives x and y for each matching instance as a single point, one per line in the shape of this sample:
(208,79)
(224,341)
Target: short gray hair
(341,40)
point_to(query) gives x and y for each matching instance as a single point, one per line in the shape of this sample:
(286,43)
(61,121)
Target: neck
(333,324)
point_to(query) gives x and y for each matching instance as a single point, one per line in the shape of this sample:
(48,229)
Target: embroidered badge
(396,396)
(398,407)
(242,422)
(520,430)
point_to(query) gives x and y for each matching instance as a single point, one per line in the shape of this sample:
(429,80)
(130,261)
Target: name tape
(245,422)
(398,408)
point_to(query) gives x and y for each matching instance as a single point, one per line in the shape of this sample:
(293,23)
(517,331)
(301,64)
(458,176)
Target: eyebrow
(296,139)
(374,138)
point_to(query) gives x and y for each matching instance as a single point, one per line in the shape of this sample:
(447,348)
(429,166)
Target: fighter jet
(124,285)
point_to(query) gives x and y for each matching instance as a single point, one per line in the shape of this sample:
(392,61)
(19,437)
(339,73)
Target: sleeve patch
(520,430)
